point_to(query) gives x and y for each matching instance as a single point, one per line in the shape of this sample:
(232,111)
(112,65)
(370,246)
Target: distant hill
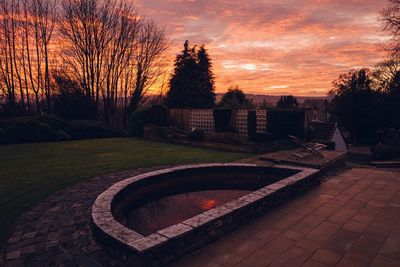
(272,99)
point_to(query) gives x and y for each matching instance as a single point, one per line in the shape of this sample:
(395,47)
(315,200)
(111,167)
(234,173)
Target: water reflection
(166,211)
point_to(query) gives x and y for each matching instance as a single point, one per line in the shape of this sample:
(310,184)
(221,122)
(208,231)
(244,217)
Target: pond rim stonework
(174,241)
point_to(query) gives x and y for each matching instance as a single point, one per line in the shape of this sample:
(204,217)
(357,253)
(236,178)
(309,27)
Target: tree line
(367,100)
(99,57)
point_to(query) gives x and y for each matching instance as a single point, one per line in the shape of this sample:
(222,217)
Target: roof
(323,131)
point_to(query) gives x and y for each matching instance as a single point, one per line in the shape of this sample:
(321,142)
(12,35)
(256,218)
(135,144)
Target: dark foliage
(55,122)
(33,131)
(357,106)
(71,102)
(235,98)
(192,82)
(156,115)
(251,122)
(85,129)
(222,119)
(159,115)
(288,101)
(388,146)
(196,136)
(284,122)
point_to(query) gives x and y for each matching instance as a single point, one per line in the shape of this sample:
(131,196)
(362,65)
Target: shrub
(88,130)
(196,136)
(30,131)
(156,115)
(137,121)
(251,122)
(62,136)
(389,145)
(222,119)
(384,152)
(55,122)
(159,115)
(282,122)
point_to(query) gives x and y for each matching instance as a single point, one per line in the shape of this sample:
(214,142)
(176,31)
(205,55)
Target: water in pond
(170,210)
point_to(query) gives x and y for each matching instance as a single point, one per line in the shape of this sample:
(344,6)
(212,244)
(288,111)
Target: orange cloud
(275,47)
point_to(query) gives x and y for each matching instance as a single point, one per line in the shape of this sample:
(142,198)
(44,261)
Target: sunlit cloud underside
(275,47)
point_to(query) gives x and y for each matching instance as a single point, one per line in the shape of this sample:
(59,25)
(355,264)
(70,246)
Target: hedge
(251,122)
(284,122)
(222,119)
(156,115)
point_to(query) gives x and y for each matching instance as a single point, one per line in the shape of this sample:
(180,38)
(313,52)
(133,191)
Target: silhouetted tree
(357,105)
(192,82)
(206,77)
(264,105)
(235,98)
(387,80)
(71,102)
(287,102)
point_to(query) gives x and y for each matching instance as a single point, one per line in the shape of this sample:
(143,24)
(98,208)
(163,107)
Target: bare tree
(26,28)
(390,19)
(386,72)
(150,60)
(112,51)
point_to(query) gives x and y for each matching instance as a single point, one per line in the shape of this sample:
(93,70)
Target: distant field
(31,172)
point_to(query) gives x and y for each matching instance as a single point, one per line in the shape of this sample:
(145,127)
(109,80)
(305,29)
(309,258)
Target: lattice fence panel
(261,120)
(202,119)
(241,122)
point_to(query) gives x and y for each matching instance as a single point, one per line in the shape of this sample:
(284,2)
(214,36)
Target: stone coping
(104,220)
(330,159)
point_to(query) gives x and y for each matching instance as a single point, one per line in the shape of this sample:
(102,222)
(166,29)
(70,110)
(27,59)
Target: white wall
(337,138)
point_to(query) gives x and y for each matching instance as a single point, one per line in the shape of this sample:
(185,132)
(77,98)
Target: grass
(31,172)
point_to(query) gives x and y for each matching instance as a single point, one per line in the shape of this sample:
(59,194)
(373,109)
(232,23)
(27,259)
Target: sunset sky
(275,47)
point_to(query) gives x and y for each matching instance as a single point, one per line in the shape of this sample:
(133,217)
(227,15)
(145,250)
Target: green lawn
(31,172)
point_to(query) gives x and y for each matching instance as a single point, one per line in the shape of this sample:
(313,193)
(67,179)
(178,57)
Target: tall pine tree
(192,82)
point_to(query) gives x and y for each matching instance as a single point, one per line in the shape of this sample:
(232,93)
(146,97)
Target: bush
(137,121)
(156,115)
(222,119)
(159,115)
(62,136)
(389,145)
(30,131)
(55,122)
(88,130)
(284,122)
(196,136)
(251,122)
(384,152)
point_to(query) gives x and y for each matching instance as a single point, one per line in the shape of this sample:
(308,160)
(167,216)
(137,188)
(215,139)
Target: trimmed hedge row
(156,115)
(51,128)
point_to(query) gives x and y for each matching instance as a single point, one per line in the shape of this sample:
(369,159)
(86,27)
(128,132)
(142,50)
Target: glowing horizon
(264,47)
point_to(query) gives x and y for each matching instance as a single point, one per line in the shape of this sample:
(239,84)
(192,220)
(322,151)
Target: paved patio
(353,219)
